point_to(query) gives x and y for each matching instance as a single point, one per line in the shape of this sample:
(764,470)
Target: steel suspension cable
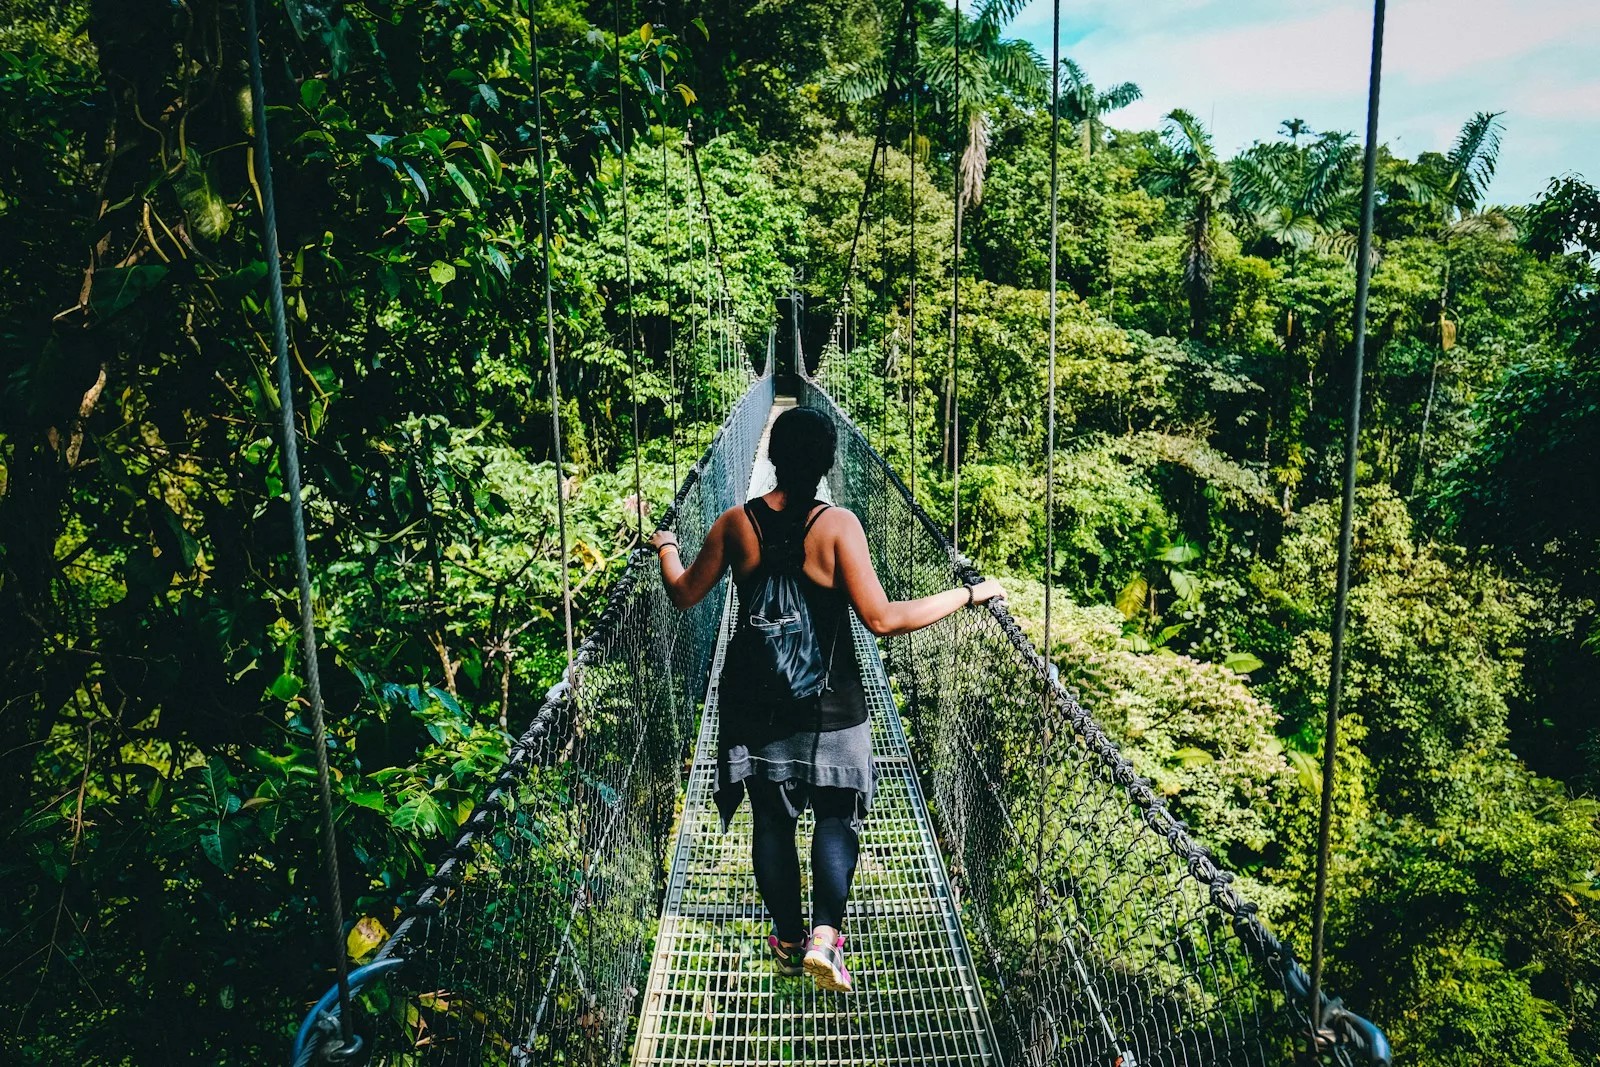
(666,255)
(627,263)
(297,521)
(1050,428)
(953,395)
(881,143)
(883,301)
(911,310)
(1330,743)
(550,340)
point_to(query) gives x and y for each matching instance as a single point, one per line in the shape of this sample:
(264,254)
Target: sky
(1243,66)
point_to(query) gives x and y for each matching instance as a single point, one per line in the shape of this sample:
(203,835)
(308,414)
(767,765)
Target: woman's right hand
(986,591)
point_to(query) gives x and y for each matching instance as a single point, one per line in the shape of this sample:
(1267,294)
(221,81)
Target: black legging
(834,848)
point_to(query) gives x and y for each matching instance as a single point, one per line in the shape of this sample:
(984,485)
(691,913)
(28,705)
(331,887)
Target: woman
(817,753)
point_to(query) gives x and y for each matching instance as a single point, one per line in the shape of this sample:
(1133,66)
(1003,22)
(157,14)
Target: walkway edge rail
(1346,1030)
(544,736)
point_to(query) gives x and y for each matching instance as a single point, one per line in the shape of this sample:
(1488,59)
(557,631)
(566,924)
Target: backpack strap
(755,524)
(813,520)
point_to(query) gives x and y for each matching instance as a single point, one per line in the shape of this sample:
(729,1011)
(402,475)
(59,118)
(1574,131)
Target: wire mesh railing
(527,943)
(1106,934)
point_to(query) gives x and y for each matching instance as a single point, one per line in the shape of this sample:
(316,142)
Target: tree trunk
(1433,378)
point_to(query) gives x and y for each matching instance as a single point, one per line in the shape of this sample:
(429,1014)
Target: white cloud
(1245,65)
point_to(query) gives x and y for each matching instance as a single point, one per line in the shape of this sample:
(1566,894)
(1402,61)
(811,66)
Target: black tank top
(844,702)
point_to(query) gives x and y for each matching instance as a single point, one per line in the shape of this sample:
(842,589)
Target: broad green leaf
(491,159)
(221,846)
(461,183)
(216,779)
(421,814)
(1193,757)
(115,288)
(442,272)
(1186,585)
(375,799)
(1308,770)
(416,179)
(1243,662)
(286,687)
(1178,553)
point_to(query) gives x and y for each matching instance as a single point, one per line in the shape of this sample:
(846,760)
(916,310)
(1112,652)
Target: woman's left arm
(687,586)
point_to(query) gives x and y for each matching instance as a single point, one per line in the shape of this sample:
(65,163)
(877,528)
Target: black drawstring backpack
(774,655)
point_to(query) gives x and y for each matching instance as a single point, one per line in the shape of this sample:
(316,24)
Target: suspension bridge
(1024,897)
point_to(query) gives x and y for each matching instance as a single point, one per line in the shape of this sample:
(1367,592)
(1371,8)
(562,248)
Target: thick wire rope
(883,301)
(911,308)
(627,263)
(691,305)
(1330,743)
(1049,442)
(297,520)
(550,341)
(666,256)
(953,396)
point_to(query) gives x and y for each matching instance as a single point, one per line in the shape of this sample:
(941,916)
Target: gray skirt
(837,759)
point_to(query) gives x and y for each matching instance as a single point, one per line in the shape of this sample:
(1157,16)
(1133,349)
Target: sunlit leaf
(1242,662)
(364,938)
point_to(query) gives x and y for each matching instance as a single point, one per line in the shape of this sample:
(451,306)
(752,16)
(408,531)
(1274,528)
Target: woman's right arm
(879,614)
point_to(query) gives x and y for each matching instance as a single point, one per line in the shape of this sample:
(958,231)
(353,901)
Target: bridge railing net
(528,943)
(1105,934)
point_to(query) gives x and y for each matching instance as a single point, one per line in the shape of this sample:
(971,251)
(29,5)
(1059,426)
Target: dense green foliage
(156,777)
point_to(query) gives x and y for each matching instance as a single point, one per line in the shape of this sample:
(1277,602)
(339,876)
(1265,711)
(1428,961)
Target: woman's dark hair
(801,450)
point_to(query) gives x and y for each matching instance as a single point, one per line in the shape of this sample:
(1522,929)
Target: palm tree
(1456,185)
(1192,171)
(1300,197)
(1083,104)
(990,66)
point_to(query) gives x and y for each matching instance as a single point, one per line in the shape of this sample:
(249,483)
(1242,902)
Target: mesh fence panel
(528,943)
(1105,933)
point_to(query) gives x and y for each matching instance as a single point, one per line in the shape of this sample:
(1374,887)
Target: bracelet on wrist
(969,596)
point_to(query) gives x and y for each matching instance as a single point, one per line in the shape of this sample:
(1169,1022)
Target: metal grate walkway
(712,996)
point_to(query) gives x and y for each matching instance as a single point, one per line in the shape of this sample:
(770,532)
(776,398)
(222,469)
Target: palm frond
(1491,222)
(1288,228)
(1330,174)
(1473,158)
(999,12)
(1187,135)
(857,81)
(1263,178)
(1119,96)
(975,159)
(1339,243)
(1420,185)
(1017,66)
(1072,77)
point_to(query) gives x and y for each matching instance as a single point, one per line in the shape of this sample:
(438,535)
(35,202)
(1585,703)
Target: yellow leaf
(1131,600)
(364,938)
(687,93)
(646,32)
